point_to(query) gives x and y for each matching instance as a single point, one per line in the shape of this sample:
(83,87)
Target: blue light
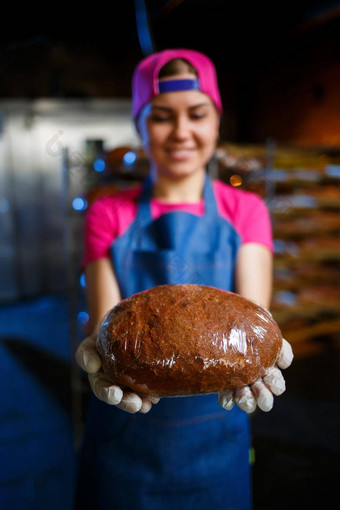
(129,158)
(333,171)
(82,317)
(99,165)
(286,297)
(79,204)
(82,280)
(4,205)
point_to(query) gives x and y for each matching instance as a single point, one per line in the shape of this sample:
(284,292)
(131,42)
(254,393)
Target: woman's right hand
(89,360)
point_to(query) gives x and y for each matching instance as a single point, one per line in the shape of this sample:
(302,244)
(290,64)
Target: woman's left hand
(261,392)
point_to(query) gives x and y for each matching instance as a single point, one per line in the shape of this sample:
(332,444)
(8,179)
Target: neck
(174,190)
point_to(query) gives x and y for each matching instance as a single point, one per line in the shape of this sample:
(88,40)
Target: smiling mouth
(180,152)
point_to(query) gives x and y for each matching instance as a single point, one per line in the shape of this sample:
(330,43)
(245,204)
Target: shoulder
(246,211)
(234,202)
(108,208)
(113,212)
(107,217)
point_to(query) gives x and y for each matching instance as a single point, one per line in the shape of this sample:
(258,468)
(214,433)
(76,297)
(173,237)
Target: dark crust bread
(187,340)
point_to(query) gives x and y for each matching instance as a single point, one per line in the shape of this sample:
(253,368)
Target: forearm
(253,274)
(103,294)
(253,280)
(102,291)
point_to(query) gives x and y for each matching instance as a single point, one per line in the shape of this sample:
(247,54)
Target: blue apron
(187,452)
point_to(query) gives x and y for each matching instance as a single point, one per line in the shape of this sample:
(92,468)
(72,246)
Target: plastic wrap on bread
(177,340)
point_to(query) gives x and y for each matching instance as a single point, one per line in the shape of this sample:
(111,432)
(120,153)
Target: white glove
(88,359)
(261,392)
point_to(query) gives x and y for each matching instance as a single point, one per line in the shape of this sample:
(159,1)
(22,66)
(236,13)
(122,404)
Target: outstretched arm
(102,295)
(253,281)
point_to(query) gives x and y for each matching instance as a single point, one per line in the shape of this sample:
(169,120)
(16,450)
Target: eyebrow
(168,109)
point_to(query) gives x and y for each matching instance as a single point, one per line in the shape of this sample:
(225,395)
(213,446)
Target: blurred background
(66,137)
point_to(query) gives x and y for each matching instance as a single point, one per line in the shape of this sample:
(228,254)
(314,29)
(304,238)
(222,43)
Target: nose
(181,128)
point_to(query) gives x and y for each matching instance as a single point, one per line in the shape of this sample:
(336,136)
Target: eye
(198,116)
(199,113)
(159,118)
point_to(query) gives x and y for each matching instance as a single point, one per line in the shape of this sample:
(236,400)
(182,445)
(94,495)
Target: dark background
(278,63)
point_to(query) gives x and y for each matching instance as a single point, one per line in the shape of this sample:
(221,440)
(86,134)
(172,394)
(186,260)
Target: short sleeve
(100,229)
(254,223)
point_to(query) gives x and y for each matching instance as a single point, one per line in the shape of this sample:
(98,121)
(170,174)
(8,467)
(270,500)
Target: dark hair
(176,66)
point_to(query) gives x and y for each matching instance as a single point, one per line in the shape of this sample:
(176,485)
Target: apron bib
(186,452)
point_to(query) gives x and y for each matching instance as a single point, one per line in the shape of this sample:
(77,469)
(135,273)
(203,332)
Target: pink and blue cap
(146,85)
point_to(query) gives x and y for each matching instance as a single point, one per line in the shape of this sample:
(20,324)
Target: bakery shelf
(317,329)
(312,223)
(301,187)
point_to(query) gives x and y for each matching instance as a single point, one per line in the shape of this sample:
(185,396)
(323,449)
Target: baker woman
(179,226)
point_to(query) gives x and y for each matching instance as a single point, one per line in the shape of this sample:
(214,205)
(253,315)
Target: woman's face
(179,131)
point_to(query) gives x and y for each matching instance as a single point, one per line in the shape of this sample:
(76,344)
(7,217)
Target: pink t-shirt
(109,217)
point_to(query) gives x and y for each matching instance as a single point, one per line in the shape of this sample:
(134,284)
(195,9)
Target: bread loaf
(187,340)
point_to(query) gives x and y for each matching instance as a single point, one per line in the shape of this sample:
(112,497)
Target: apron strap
(144,202)
(210,205)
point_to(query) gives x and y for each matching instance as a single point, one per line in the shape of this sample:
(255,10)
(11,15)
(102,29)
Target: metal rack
(301,187)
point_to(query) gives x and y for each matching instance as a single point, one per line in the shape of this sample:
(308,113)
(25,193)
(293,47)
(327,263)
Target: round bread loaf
(187,340)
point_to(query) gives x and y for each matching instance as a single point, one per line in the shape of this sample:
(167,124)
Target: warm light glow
(236,180)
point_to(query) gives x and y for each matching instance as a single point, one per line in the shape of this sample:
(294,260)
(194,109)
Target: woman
(178,227)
